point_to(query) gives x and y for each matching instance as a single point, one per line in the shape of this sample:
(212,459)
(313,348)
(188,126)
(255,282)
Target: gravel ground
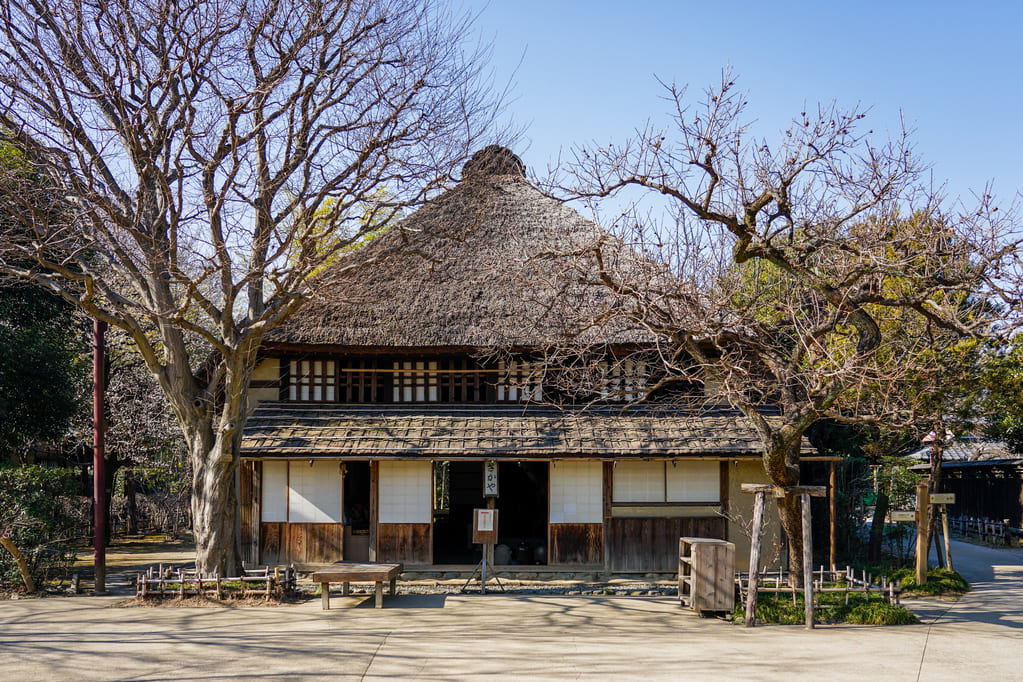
(616,586)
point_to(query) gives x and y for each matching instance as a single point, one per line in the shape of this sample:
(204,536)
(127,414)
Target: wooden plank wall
(651,545)
(577,543)
(250,498)
(315,543)
(255,511)
(245,511)
(409,543)
(985,493)
(301,543)
(273,543)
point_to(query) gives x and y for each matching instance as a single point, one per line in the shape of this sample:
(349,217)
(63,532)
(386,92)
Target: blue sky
(952,69)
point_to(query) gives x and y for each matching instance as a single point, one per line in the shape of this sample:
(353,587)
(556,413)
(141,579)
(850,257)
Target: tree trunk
(130,502)
(877,526)
(214,508)
(790,512)
(782,466)
(110,469)
(937,455)
(19,559)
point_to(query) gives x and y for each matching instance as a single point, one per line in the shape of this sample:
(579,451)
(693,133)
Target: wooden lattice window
(360,382)
(461,381)
(312,380)
(519,380)
(416,381)
(625,380)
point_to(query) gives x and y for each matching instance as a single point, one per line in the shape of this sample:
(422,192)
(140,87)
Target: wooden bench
(347,572)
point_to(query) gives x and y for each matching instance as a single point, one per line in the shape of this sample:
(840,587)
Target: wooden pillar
(99,475)
(488,548)
(374,507)
(754,558)
(832,516)
(609,468)
(923,498)
(807,560)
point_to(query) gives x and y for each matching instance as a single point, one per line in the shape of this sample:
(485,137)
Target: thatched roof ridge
(474,267)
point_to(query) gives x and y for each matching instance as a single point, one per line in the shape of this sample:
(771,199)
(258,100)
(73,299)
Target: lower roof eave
(252,455)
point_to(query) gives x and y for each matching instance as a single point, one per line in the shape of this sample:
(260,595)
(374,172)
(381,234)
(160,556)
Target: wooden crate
(706,574)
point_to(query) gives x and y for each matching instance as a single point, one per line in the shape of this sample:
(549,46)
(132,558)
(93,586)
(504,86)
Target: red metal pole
(99,474)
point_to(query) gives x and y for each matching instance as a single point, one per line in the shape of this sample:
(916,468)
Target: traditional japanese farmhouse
(405,387)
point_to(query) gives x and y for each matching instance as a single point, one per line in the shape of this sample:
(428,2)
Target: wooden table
(347,572)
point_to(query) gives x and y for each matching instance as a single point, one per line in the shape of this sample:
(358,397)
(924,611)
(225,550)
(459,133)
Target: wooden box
(706,574)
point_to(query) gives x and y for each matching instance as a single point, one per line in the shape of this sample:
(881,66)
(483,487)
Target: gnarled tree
(786,276)
(210,153)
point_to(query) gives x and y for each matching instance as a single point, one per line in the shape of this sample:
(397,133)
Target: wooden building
(985,476)
(381,406)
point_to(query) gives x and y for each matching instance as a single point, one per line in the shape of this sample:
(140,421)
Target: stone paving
(514,636)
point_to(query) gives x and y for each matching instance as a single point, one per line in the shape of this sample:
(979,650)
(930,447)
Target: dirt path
(127,557)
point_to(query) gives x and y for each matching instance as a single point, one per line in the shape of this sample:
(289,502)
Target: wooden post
(754,559)
(609,468)
(807,561)
(374,507)
(806,491)
(488,549)
(832,515)
(944,531)
(923,498)
(99,475)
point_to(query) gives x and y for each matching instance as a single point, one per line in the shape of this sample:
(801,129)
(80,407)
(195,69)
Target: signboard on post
(943,498)
(484,527)
(897,516)
(490,479)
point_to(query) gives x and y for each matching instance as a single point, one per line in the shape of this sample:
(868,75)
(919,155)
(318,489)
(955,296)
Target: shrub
(783,610)
(40,511)
(879,613)
(939,581)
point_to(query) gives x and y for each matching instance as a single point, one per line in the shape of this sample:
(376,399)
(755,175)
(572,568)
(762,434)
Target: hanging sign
(897,516)
(484,527)
(490,479)
(943,498)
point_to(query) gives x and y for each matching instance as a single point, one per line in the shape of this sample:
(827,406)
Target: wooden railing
(167,581)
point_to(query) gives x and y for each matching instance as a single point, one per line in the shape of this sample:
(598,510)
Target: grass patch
(880,613)
(940,581)
(859,611)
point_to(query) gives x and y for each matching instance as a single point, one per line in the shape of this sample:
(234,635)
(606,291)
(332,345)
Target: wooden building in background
(378,408)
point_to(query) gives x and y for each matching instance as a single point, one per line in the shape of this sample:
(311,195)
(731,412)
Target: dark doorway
(522,507)
(355,497)
(522,515)
(458,490)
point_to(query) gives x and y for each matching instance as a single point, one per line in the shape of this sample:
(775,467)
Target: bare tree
(819,277)
(213,155)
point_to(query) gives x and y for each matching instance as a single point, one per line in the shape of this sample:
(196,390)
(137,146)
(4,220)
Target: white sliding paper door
(406,492)
(576,492)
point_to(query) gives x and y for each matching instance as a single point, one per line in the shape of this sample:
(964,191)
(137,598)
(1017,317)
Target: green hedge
(41,511)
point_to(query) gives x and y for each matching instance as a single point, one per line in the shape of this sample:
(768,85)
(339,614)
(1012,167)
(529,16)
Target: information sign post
(484,532)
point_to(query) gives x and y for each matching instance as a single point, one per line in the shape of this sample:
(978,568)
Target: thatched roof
(471,268)
(305,430)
